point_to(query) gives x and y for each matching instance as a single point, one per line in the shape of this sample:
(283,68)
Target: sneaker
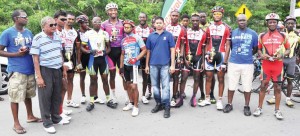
(127,101)
(257,112)
(213,101)
(64,116)
(144,100)
(128,107)
(50,130)
(67,112)
(193,101)
(219,105)
(201,99)
(83,100)
(173,102)
(100,101)
(204,103)
(157,108)
(271,101)
(228,108)
(63,122)
(112,104)
(135,111)
(278,114)
(72,104)
(247,111)
(148,96)
(90,107)
(289,103)
(179,102)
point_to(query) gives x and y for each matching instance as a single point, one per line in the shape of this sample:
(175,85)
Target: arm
(108,49)
(172,68)
(12,54)
(147,62)
(227,51)
(121,70)
(78,52)
(39,79)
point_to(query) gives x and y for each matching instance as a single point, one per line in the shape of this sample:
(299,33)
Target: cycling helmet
(272,16)
(111,6)
(82,18)
(290,18)
(217,9)
(130,22)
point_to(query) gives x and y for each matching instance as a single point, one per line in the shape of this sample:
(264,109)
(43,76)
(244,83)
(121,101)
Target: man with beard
(180,40)
(244,45)
(133,49)
(217,50)
(143,30)
(270,49)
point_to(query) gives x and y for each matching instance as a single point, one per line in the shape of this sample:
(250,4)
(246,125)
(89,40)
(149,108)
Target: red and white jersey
(143,32)
(217,34)
(195,41)
(178,33)
(70,37)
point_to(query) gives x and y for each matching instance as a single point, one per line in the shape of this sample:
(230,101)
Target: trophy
(190,56)
(69,64)
(178,55)
(212,54)
(21,41)
(129,54)
(114,33)
(276,53)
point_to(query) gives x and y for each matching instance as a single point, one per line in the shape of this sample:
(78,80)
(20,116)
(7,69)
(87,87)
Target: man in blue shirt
(160,54)
(244,44)
(21,86)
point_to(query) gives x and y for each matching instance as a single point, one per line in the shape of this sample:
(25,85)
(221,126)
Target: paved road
(184,121)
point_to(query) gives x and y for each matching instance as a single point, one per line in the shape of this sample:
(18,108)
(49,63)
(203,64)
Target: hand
(172,69)
(40,82)
(104,52)
(121,71)
(22,51)
(278,57)
(265,56)
(132,61)
(147,70)
(93,52)
(224,67)
(207,56)
(202,67)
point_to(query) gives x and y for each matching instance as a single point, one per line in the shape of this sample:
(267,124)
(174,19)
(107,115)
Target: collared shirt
(132,45)
(49,50)
(243,42)
(114,29)
(13,40)
(159,46)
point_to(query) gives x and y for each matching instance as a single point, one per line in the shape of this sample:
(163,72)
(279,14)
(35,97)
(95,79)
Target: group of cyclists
(204,49)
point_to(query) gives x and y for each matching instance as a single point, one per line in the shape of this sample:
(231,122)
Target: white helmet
(111,6)
(272,16)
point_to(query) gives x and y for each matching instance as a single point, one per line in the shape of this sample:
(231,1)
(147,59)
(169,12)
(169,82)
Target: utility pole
(292,8)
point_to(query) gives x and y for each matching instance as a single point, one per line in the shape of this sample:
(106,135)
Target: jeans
(160,74)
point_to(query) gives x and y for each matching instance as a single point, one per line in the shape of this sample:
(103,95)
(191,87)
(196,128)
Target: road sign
(298,4)
(243,10)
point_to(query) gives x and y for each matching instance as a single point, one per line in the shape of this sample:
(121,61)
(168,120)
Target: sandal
(36,120)
(19,131)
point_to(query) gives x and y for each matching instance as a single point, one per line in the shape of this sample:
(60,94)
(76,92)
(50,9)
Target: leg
(56,97)
(104,78)
(208,83)
(201,85)
(221,75)
(165,78)
(277,92)
(70,85)
(145,82)
(185,75)
(155,82)
(82,83)
(175,83)
(262,93)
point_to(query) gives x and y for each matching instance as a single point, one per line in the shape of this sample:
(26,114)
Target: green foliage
(130,9)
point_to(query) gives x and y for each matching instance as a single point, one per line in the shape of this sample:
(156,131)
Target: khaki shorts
(21,86)
(237,71)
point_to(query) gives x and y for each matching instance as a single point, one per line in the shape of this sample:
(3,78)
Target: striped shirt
(49,50)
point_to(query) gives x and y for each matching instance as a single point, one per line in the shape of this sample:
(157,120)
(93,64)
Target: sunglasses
(217,14)
(51,25)
(24,17)
(127,27)
(63,19)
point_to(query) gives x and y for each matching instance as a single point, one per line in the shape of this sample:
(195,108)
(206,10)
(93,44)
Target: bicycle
(295,83)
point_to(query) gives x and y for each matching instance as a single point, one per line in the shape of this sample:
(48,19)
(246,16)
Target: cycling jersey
(131,45)
(84,57)
(217,34)
(70,37)
(116,30)
(195,41)
(143,32)
(178,33)
(96,41)
(294,39)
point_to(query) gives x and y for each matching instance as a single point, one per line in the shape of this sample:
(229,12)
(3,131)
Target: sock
(107,97)
(95,97)
(132,103)
(92,98)
(83,95)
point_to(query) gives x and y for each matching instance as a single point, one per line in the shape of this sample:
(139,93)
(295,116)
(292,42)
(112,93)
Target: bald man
(244,45)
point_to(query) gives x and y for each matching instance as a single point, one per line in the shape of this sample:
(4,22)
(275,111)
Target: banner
(171,5)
